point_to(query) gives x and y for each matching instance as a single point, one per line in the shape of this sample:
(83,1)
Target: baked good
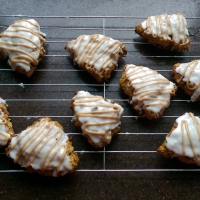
(165,32)
(6,130)
(183,141)
(97,54)
(148,91)
(22,43)
(98,118)
(187,77)
(44,147)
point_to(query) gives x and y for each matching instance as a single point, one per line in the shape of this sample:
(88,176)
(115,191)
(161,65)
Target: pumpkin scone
(6,130)
(183,141)
(96,54)
(98,118)
(45,148)
(165,32)
(187,77)
(149,92)
(22,43)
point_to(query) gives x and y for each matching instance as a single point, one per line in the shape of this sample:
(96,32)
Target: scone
(44,147)
(166,32)
(97,54)
(6,130)
(22,44)
(148,91)
(98,118)
(187,77)
(183,141)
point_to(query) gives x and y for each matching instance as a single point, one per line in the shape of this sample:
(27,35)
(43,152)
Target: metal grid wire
(81,24)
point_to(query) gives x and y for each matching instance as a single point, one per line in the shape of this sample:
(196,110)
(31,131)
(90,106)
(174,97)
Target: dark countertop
(49,90)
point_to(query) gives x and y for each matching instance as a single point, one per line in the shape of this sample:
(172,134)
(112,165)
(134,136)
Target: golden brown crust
(103,74)
(160,42)
(8,125)
(69,151)
(182,84)
(162,150)
(124,83)
(129,90)
(48,120)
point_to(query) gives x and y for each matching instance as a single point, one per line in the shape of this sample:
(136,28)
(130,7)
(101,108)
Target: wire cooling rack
(49,91)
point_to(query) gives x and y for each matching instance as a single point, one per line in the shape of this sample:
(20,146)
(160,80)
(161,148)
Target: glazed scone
(22,43)
(98,118)
(187,77)
(183,141)
(148,91)
(6,130)
(97,54)
(166,32)
(44,147)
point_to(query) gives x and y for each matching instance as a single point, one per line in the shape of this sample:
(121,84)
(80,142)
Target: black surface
(49,90)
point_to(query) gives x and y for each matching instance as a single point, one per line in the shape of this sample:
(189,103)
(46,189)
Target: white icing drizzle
(3,101)
(42,146)
(185,138)
(190,73)
(21,43)
(97,116)
(95,50)
(152,90)
(168,27)
(4,136)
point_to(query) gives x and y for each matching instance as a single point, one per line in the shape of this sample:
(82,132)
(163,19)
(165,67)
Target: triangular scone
(187,76)
(98,118)
(6,130)
(166,32)
(183,141)
(148,91)
(44,147)
(22,43)
(97,54)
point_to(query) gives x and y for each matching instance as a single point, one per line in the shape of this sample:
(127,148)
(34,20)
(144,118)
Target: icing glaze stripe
(95,50)
(152,90)
(83,101)
(22,43)
(178,35)
(190,66)
(42,138)
(184,128)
